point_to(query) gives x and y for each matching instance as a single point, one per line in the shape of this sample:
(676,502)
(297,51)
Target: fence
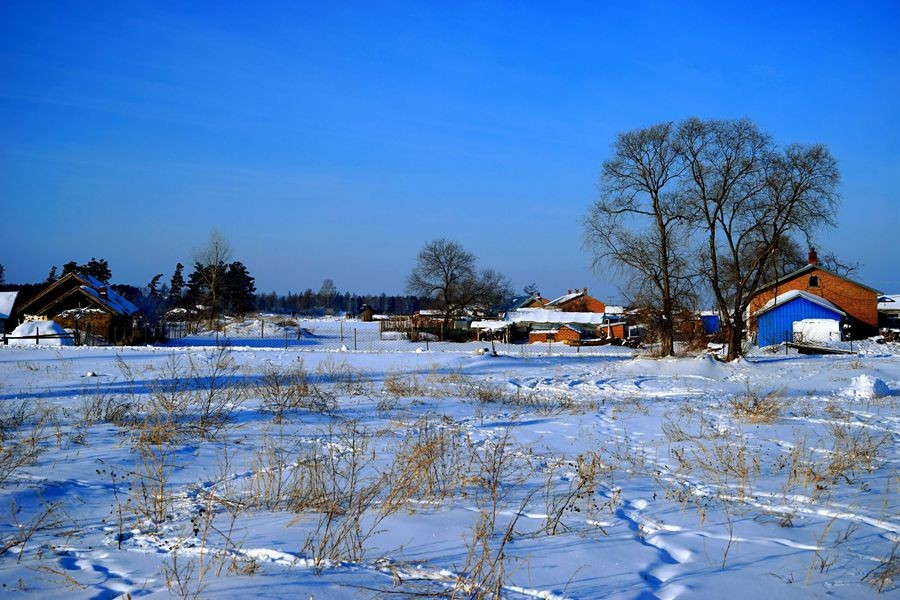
(352,336)
(5,339)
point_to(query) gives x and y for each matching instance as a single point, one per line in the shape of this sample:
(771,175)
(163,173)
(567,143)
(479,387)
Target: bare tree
(637,225)
(446,273)
(748,199)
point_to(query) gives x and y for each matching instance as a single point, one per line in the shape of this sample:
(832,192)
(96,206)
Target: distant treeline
(332,302)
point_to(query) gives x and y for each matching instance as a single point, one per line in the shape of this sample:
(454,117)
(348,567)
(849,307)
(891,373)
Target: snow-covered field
(306,472)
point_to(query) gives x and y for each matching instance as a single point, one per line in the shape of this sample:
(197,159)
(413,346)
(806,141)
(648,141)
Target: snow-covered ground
(305,472)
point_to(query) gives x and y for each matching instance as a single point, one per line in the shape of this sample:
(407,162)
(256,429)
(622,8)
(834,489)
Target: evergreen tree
(51,276)
(2,274)
(239,289)
(176,286)
(153,287)
(98,269)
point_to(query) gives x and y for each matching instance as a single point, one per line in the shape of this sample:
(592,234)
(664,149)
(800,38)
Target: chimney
(102,291)
(584,290)
(813,257)
(568,291)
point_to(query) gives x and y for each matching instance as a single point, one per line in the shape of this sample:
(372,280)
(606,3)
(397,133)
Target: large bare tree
(638,225)
(749,201)
(446,273)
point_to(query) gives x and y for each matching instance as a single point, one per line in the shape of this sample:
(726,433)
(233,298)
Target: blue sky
(334,139)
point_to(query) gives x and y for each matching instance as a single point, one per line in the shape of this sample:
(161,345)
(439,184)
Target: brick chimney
(584,290)
(813,257)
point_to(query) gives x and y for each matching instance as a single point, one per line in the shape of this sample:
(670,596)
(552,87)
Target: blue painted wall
(777,325)
(710,324)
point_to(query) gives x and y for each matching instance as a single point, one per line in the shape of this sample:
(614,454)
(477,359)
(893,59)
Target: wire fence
(346,335)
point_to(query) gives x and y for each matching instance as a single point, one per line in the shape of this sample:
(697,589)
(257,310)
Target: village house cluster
(809,306)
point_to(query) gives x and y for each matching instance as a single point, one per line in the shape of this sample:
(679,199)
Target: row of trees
(707,207)
(310,302)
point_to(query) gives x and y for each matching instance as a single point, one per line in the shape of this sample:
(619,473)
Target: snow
(51,329)
(7,300)
(490,325)
(788,296)
(112,299)
(616,476)
(543,315)
(889,303)
(816,330)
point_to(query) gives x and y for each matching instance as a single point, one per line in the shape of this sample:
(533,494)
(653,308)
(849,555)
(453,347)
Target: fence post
(354,339)
(37,336)
(426,344)
(341,323)
(262,328)
(285,338)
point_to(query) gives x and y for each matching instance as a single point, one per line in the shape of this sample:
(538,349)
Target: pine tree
(176,286)
(153,287)
(51,276)
(240,291)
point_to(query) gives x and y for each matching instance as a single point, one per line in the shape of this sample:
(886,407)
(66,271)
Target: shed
(710,320)
(775,320)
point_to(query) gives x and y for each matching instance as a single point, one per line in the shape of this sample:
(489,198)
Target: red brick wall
(583,303)
(858,302)
(563,334)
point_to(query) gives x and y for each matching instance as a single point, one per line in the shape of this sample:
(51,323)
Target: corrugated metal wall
(777,325)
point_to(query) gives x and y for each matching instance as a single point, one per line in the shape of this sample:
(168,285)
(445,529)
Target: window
(813,281)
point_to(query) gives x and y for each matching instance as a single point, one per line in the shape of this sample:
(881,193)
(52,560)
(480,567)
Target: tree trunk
(735,335)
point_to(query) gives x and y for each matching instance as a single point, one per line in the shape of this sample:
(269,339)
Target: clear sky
(332,139)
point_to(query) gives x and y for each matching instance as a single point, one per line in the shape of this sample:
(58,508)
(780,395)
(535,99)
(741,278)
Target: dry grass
(754,408)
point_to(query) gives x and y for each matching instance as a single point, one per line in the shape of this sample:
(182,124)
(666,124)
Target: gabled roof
(565,298)
(889,303)
(786,297)
(7,300)
(523,301)
(808,269)
(79,284)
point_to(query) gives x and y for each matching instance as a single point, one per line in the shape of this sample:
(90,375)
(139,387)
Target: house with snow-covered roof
(857,302)
(889,312)
(577,301)
(85,305)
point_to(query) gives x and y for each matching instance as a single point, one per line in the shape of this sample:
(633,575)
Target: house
(889,313)
(7,301)
(775,320)
(530,301)
(577,301)
(566,333)
(857,301)
(85,305)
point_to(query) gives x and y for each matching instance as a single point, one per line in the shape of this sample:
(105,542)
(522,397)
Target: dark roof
(806,269)
(521,301)
(77,284)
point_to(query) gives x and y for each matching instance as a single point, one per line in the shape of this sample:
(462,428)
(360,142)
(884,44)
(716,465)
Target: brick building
(577,301)
(858,301)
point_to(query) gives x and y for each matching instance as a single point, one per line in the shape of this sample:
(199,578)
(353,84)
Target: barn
(775,320)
